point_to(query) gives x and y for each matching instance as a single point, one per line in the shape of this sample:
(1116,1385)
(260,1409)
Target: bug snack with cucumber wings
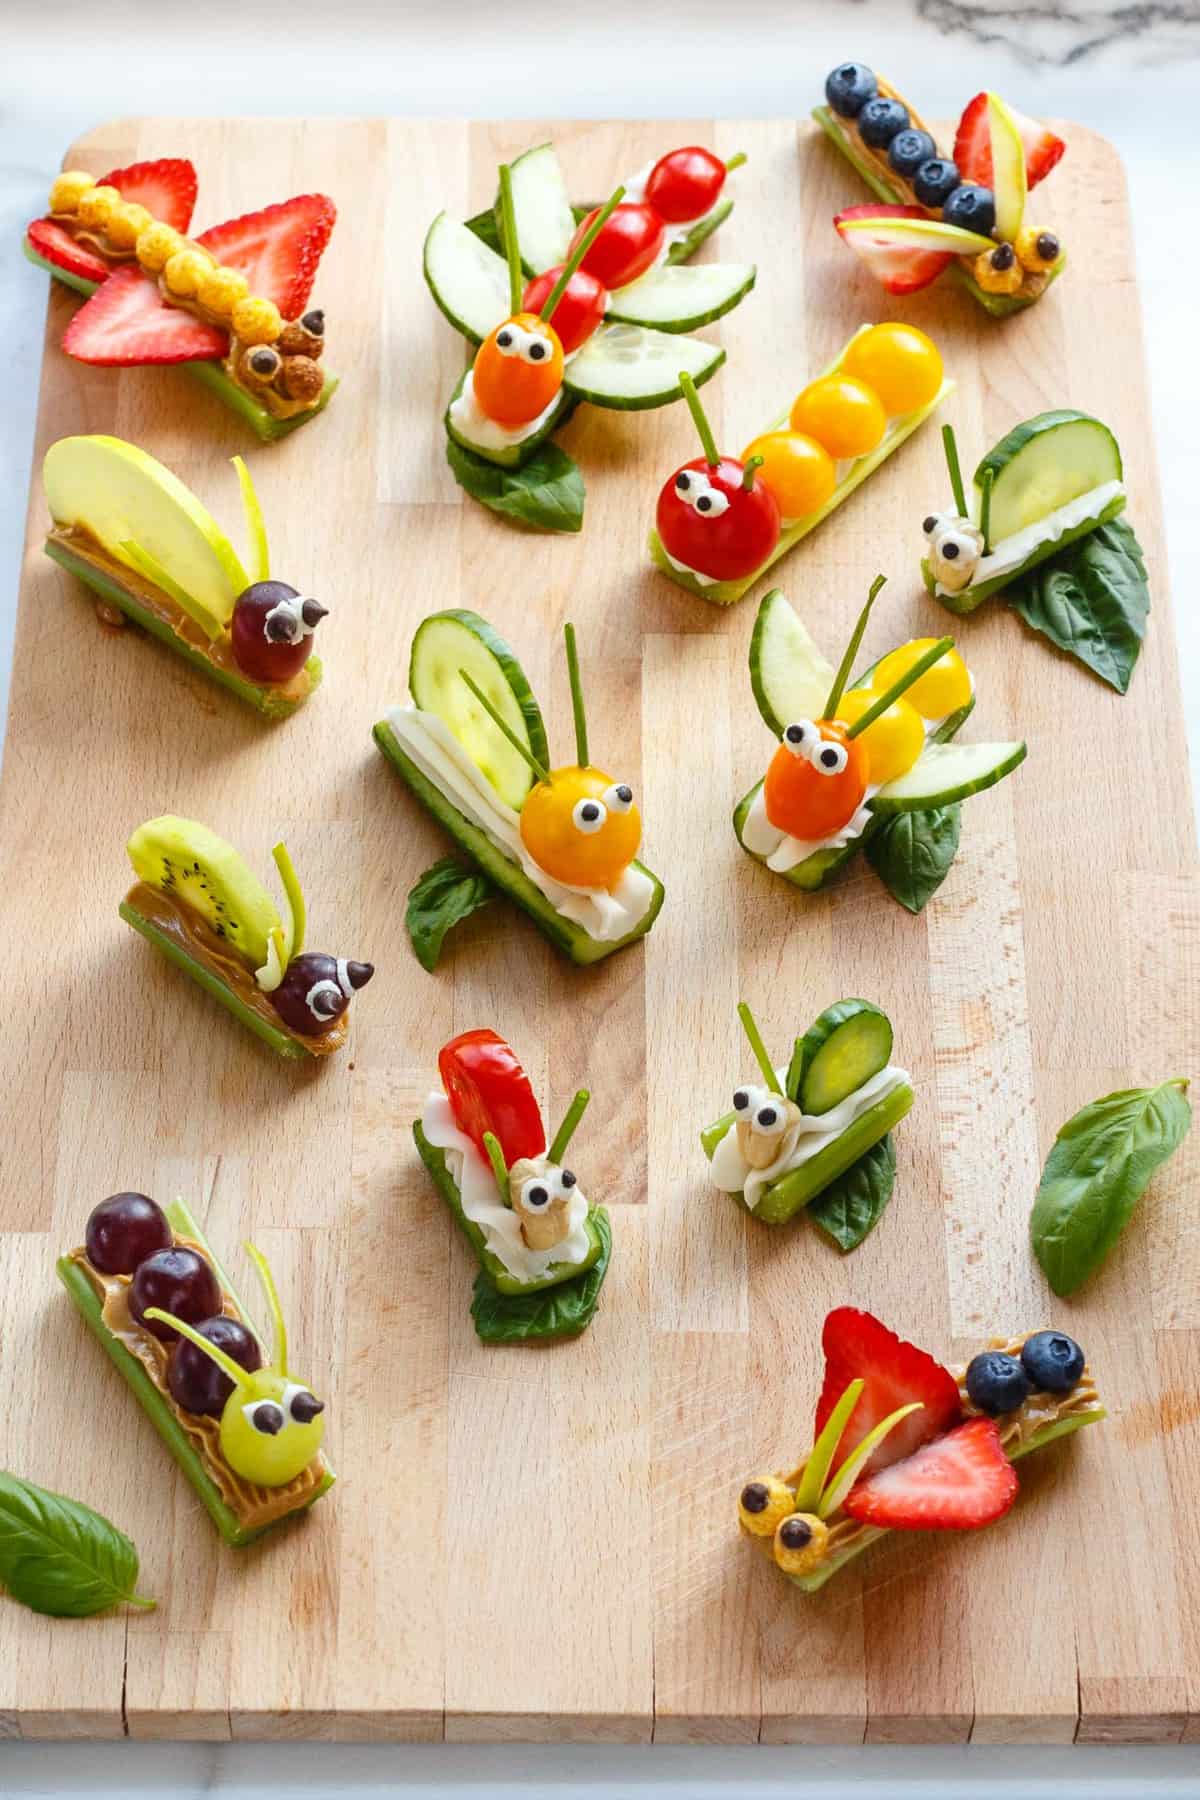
(1042,529)
(246,1433)
(202,905)
(816,1135)
(722,521)
(561,842)
(231,305)
(567,304)
(110,501)
(901,1444)
(966,212)
(867,763)
(543,1250)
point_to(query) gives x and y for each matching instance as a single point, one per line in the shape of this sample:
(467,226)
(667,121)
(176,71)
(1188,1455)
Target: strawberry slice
(166,188)
(973,145)
(55,245)
(903,266)
(277,249)
(126,322)
(957,1483)
(858,1346)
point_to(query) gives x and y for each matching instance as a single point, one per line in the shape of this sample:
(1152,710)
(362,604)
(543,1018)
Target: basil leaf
(1092,600)
(1097,1171)
(545,494)
(445,895)
(553,1312)
(57,1556)
(912,853)
(853,1205)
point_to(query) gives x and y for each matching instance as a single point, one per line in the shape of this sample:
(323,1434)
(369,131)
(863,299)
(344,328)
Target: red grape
(312,993)
(123,1230)
(195,1381)
(178,1281)
(271,630)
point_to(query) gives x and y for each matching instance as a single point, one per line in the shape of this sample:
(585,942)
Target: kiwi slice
(850,1042)
(202,871)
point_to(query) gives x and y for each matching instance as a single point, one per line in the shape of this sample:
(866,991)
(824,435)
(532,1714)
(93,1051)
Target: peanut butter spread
(253,1507)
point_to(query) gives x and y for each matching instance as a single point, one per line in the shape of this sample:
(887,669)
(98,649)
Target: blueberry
(880,120)
(909,149)
(849,87)
(1052,1361)
(996,1382)
(974,208)
(935,180)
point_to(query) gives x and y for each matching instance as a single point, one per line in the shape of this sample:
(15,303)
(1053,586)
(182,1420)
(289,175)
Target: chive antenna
(708,442)
(542,774)
(902,685)
(755,463)
(512,250)
(754,1037)
(950,446)
(735,161)
(580,251)
(581,738)
(491,1144)
(566,1130)
(851,651)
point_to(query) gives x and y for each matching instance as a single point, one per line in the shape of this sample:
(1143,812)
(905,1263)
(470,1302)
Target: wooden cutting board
(541,1544)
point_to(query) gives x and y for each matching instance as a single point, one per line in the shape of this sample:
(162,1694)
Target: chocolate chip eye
(741,1101)
(567,1178)
(795,1533)
(267,1418)
(305,1407)
(755,1496)
(314,322)
(619,797)
(589,816)
(801,738)
(1047,246)
(830,759)
(930,525)
(537,1197)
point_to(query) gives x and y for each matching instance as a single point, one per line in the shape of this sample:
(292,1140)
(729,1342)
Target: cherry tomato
(896,739)
(902,365)
(685,184)
(488,1090)
(579,311)
(518,370)
(799,471)
(709,521)
(842,413)
(581,827)
(629,242)
(937,693)
(804,797)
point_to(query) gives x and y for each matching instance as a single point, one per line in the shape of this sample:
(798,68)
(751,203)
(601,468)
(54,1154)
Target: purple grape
(194,1379)
(178,1281)
(312,994)
(125,1229)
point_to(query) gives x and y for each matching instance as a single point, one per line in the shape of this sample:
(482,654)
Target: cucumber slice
(508,456)
(790,677)
(678,298)
(1043,464)
(850,1042)
(631,368)
(446,642)
(944,773)
(541,208)
(468,281)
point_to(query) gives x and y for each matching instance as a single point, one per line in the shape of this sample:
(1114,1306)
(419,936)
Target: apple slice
(902,246)
(1008,169)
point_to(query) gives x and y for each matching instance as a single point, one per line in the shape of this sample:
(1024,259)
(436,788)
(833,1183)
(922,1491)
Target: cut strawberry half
(957,1483)
(166,188)
(858,1346)
(903,264)
(277,249)
(973,145)
(126,322)
(56,245)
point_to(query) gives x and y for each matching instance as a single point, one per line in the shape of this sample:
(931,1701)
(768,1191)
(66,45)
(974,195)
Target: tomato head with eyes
(709,520)
(581,827)
(817,779)
(518,370)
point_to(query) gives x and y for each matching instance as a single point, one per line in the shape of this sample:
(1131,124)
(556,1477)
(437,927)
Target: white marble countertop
(1128,70)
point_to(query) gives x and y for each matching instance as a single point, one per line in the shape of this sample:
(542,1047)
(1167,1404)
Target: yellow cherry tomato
(941,690)
(581,827)
(842,413)
(518,370)
(902,365)
(896,739)
(799,471)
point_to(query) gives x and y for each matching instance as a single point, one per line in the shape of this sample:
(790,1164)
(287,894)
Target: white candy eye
(829,758)
(619,797)
(588,816)
(802,738)
(747,1100)
(931,523)
(767,1116)
(685,485)
(711,503)
(741,1101)
(952,545)
(536,348)
(536,1197)
(509,340)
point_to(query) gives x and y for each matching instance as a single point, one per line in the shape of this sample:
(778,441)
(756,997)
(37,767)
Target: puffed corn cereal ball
(69,190)
(97,206)
(998,271)
(127,224)
(762,1504)
(157,245)
(257,321)
(184,272)
(800,1542)
(221,290)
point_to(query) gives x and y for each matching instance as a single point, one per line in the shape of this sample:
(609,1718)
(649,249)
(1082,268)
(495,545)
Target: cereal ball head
(763,1503)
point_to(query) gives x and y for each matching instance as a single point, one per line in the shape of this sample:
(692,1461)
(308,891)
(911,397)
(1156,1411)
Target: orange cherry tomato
(816,781)
(799,471)
(581,827)
(518,370)
(842,413)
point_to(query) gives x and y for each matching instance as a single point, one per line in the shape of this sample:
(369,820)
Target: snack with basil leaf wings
(901,1444)
(543,1249)
(472,747)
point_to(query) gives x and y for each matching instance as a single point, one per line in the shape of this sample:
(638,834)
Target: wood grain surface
(533,1544)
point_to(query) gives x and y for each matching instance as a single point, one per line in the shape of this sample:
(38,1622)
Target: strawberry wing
(903,265)
(277,249)
(166,188)
(127,323)
(957,1483)
(55,245)
(973,145)
(859,1347)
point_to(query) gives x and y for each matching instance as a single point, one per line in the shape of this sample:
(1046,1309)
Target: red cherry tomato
(578,312)
(488,1090)
(709,521)
(684,184)
(629,241)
